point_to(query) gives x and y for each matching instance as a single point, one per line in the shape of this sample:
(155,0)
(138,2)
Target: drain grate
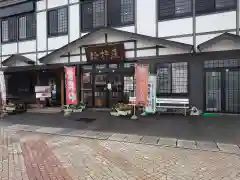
(86,120)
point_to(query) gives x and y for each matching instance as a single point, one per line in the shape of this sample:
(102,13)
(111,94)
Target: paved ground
(144,131)
(38,156)
(223,129)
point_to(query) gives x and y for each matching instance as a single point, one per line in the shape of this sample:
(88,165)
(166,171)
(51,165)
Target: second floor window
(58,22)
(93,14)
(120,12)
(27,26)
(206,6)
(174,8)
(18,28)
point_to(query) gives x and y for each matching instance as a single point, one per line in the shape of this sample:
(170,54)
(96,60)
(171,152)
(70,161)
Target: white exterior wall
(146,23)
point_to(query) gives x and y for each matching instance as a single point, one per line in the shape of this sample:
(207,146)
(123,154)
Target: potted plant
(121,109)
(68,109)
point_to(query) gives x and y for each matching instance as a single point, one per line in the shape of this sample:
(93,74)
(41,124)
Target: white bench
(173,103)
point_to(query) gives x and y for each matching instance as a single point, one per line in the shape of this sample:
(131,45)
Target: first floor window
(174,8)
(93,14)
(172,78)
(58,21)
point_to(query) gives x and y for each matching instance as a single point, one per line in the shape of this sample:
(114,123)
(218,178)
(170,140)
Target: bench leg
(185,110)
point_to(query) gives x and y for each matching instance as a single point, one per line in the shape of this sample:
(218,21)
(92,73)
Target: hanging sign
(141,74)
(151,105)
(70,79)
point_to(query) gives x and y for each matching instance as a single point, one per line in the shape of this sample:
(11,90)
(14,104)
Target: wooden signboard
(114,52)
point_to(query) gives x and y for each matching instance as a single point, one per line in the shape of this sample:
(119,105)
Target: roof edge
(162,41)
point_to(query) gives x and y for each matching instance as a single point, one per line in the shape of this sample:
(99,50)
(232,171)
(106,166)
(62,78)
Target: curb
(229,148)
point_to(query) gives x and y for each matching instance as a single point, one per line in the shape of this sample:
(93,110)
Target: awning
(16,58)
(215,40)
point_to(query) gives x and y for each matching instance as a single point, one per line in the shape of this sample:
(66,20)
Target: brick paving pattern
(37,156)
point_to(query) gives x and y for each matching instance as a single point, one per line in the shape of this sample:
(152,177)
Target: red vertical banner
(141,74)
(71,90)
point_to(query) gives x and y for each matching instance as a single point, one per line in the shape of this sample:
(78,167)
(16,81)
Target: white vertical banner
(152,85)
(2,88)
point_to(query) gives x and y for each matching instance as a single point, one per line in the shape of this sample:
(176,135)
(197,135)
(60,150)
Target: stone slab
(150,140)
(118,137)
(186,144)
(66,131)
(104,135)
(49,130)
(90,134)
(133,138)
(211,146)
(77,133)
(33,128)
(230,148)
(172,142)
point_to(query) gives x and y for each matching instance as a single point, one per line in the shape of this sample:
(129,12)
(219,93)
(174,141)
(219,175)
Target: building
(191,45)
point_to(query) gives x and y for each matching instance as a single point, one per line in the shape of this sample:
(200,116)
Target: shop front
(103,78)
(105,61)
(29,83)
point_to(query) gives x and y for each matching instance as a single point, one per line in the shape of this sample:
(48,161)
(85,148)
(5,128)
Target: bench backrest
(165,100)
(183,101)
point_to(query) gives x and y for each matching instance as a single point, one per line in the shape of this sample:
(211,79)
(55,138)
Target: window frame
(17,30)
(81,15)
(35,28)
(106,13)
(122,23)
(54,34)
(211,11)
(174,15)
(170,76)
(216,10)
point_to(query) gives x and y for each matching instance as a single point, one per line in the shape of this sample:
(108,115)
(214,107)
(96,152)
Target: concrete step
(45,110)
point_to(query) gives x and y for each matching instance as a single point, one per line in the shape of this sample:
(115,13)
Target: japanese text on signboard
(106,52)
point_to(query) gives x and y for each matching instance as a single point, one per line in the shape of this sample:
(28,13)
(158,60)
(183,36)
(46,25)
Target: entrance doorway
(222,90)
(108,89)
(103,84)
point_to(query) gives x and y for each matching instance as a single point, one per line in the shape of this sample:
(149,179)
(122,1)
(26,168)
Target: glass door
(213,91)
(232,91)
(100,93)
(87,96)
(115,94)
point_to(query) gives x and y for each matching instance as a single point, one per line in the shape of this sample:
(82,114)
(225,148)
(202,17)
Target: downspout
(194,25)
(237,18)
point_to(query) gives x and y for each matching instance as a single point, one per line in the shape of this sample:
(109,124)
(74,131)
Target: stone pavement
(129,138)
(40,156)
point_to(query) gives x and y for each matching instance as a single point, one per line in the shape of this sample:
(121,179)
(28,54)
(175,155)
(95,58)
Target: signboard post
(141,75)
(71,91)
(151,105)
